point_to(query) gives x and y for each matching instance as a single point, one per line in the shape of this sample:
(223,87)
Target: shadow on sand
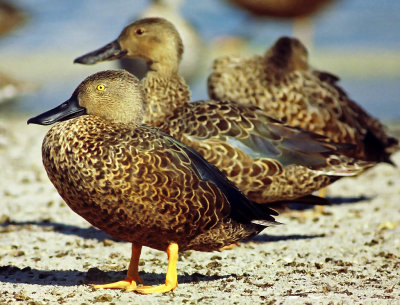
(86,233)
(332,201)
(275,238)
(349,200)
(93,233)
(15,275)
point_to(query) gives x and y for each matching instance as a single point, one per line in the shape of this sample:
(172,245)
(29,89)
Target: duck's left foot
(156,289)
(171,279)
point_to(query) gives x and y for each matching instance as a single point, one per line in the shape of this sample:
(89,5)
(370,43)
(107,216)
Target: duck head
(154,40)
(288,54)
(115,95)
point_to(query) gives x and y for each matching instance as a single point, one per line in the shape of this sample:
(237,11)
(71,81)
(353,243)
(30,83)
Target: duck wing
(259,136)
(241,208)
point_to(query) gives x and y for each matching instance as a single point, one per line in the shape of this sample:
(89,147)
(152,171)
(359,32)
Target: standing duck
(138,184)
(284,85)
(266,159)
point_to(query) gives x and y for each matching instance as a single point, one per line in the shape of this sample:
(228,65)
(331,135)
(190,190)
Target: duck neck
(163,67)
(165,91)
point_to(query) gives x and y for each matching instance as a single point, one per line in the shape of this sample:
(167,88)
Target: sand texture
(348,255)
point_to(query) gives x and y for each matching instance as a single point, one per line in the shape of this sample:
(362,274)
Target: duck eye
(139,31)
(101,87)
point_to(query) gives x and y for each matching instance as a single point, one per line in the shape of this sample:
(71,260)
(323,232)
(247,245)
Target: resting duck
(266,159)
(284,85)
(138,184)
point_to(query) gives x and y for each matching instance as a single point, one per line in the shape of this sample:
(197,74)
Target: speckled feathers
(261,156)
(140,185)
(283,85)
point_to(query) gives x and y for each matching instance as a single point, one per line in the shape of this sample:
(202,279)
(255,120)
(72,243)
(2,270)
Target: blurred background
(358,40)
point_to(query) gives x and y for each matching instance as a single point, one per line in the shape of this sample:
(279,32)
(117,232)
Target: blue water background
(71,28)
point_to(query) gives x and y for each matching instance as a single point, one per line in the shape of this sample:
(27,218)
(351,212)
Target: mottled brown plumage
(286,88)
(136,183)
(267,160)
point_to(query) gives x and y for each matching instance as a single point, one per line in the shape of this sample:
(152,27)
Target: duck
(269,161)
(137,183)
(283,84)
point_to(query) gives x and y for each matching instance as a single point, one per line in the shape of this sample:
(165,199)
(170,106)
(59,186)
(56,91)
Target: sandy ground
(48,254)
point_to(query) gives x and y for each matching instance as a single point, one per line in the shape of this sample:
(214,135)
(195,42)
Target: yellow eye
(101,87)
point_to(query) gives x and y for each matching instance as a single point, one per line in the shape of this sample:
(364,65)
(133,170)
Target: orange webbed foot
(156,289)
(171,279)
(129,284)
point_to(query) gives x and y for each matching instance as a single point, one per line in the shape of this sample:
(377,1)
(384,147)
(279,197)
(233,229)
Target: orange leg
(319,209)
(322,192)
(132,277)
(171,279)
